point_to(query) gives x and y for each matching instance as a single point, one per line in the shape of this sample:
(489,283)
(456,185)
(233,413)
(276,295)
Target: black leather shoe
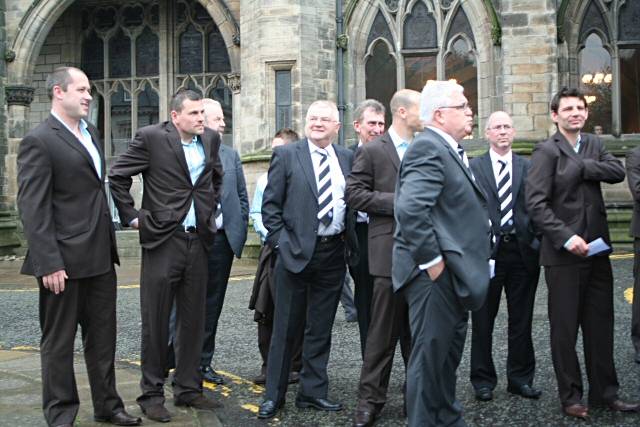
(622,406)
(484,394)
(260,379)
(318,403)
(294,377)
(199,402)
(524,390)
(65,425)
(269,409)
(364,418)
(156,413)
(121,418)
(211,376)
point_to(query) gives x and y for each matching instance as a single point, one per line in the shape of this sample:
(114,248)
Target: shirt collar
(495,156)
(397,140)
(313,148)
(193,140)
(452,142)
(82,125)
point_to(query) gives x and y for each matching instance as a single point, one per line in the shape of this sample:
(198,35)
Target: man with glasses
(304,211)
(441,252)
(502,174)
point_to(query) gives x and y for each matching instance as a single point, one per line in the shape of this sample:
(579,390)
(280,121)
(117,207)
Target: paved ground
(238,360)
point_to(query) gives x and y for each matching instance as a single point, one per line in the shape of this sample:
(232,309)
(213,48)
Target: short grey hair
(62,77)
(367,104)
(326,104)
(436,94)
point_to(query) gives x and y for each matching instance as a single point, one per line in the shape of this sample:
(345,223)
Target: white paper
(597,246)
(492,268)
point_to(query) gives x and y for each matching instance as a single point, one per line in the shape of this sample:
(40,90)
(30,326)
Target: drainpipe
(341,44)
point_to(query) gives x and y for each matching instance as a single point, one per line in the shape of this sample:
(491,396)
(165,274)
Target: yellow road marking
(24,348)
(621,256)
(628,295)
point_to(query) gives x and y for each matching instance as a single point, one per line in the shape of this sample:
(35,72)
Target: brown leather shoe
(364,418)
(577,410)
(622,406)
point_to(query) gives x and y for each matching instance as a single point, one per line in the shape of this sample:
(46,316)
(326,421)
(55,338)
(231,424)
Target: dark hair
(566,92)
(287,134)
(180,96)
(61,76)
(367,104)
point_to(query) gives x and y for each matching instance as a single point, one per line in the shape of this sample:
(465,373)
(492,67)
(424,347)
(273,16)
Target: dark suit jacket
(440,210)
(563,193)
(290,202)
(156,152)
(527,241)
(370,188)
(63,205)
(633,179)
(234,200)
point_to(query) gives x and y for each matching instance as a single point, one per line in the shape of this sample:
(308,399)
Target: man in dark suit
(633,179)
(440,253)
(179,163)
(368,124)
(565,204)
(370,188)
(304,210)
(232,217)
(72,249)
(502,174)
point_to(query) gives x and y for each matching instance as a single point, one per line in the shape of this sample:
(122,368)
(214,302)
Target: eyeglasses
(323,120)
(458,107)
(500,127)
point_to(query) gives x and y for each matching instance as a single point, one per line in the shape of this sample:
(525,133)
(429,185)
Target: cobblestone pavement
(238,360)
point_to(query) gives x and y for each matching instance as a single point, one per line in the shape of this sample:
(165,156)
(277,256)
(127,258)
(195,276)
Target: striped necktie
(325,197)
(505,198)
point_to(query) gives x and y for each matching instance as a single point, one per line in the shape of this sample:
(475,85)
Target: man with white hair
(441,252)
(304,211)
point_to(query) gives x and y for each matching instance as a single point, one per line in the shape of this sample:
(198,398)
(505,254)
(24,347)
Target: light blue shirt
(400,144)
(86,141)
(194,154)
(256,207)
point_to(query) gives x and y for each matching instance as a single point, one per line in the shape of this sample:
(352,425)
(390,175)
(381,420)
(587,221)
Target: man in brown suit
(179,163)
(371,188)
(72,249)
(565,203)
(633,179)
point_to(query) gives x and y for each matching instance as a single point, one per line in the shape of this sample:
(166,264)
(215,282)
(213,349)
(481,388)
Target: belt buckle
(190,229)
(507,238)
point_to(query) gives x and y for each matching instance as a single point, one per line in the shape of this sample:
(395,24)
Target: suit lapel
(390,149)
(304,157)
(95,139)
(566,147)
(516,169)
(174,141)
(73,142)
(486,169)
(342,160)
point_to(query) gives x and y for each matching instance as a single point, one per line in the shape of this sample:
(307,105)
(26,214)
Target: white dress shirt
(86,141)
(337,189)
(398,141)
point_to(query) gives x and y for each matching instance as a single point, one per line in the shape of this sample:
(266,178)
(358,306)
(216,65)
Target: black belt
(190,229)
(506,238)
(327,239)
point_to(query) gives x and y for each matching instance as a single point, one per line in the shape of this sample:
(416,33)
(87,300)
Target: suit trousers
(520,287)
(90,302)
(635,308)
(363,284)
(438,331)
(389,324)
(175,269)
(220,261)
(310,296)
(265,331)
(581,296)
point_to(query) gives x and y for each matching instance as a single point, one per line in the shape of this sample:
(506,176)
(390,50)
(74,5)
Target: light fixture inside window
(586,78)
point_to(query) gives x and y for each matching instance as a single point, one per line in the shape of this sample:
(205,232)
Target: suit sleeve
(606,168)
(538,193)
(35,203)
(242,190)
(633,174)
(274,197)
(360,194)
(420,183)
(132,162)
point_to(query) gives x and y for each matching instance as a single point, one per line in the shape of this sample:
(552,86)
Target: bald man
(502,175)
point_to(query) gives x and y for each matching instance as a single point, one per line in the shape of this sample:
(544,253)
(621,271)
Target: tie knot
(323,152)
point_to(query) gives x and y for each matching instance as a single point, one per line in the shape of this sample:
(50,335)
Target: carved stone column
(19,99)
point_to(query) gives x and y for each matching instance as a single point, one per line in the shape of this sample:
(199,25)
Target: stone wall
(529,64)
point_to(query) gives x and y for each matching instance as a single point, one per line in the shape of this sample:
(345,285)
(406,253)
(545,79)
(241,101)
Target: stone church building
(267,60)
